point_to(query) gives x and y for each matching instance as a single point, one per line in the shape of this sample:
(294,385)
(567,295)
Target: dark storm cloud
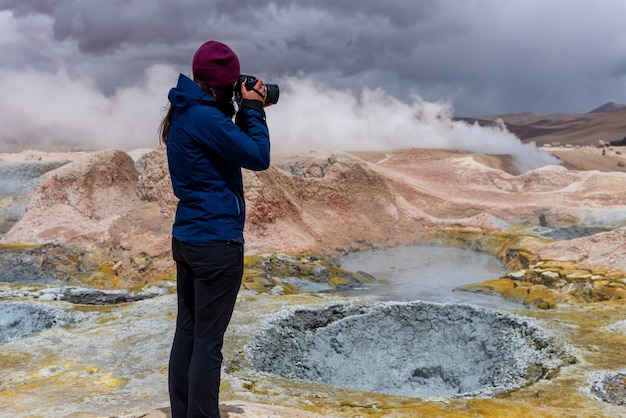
(510,55)
(104,27)
(23,7)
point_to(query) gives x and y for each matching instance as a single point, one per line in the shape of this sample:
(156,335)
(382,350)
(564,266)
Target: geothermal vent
(414,349)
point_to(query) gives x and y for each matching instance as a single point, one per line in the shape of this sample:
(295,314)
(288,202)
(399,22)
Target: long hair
(223,96)
(164,127)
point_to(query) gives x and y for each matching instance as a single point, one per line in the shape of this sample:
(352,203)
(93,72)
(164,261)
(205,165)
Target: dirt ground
(591,158)
(241,410)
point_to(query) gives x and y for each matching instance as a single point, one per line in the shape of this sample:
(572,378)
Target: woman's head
(215,64)
(215,68)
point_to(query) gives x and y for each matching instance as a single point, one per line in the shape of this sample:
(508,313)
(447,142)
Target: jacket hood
(187,93)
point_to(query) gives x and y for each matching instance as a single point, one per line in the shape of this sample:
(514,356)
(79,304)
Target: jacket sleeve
(245,144)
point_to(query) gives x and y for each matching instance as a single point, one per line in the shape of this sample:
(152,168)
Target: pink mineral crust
(333,201)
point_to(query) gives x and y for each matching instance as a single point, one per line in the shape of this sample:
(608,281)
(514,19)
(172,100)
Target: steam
(312,116)
(50,111)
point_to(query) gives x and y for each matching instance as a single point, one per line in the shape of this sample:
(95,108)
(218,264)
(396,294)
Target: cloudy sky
(68,65)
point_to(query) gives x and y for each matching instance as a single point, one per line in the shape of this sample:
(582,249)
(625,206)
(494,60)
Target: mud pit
(418,349)
(17,319)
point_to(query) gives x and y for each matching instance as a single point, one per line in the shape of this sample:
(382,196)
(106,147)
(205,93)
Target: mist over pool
(426,273)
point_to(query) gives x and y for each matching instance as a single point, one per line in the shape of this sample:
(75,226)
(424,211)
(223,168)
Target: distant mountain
(607,123)
(608,108)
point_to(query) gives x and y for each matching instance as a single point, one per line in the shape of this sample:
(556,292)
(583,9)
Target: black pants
(208,280)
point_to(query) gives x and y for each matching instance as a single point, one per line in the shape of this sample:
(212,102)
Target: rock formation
(111,213)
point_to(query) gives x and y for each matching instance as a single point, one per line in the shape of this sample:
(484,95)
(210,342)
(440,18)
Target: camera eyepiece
(272,91)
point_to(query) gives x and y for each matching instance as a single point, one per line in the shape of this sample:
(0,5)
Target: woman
(206,151)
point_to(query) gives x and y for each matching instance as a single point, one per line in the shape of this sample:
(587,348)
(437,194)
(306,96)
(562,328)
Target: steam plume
(56,110)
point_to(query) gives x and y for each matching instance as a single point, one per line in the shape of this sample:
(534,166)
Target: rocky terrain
(105,213)
(91,230)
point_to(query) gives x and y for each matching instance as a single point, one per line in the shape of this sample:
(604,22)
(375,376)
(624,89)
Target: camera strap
(258,92)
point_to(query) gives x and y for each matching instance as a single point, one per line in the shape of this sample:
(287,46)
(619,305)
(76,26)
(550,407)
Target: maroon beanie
(215,64)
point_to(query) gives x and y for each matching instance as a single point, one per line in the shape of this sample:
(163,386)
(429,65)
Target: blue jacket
(206,151)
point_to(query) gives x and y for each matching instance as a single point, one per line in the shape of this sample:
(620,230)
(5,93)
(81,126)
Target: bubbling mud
(418,349)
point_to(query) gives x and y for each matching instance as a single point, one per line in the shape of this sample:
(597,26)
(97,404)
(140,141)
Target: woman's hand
(255,93)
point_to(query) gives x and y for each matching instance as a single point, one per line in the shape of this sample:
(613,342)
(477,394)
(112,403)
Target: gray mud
(20,318)
(610,387)
(418,349)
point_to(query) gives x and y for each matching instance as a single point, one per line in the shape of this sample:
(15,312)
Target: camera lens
(271,93)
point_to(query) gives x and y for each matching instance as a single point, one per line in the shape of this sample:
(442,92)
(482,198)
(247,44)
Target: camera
(271,90)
